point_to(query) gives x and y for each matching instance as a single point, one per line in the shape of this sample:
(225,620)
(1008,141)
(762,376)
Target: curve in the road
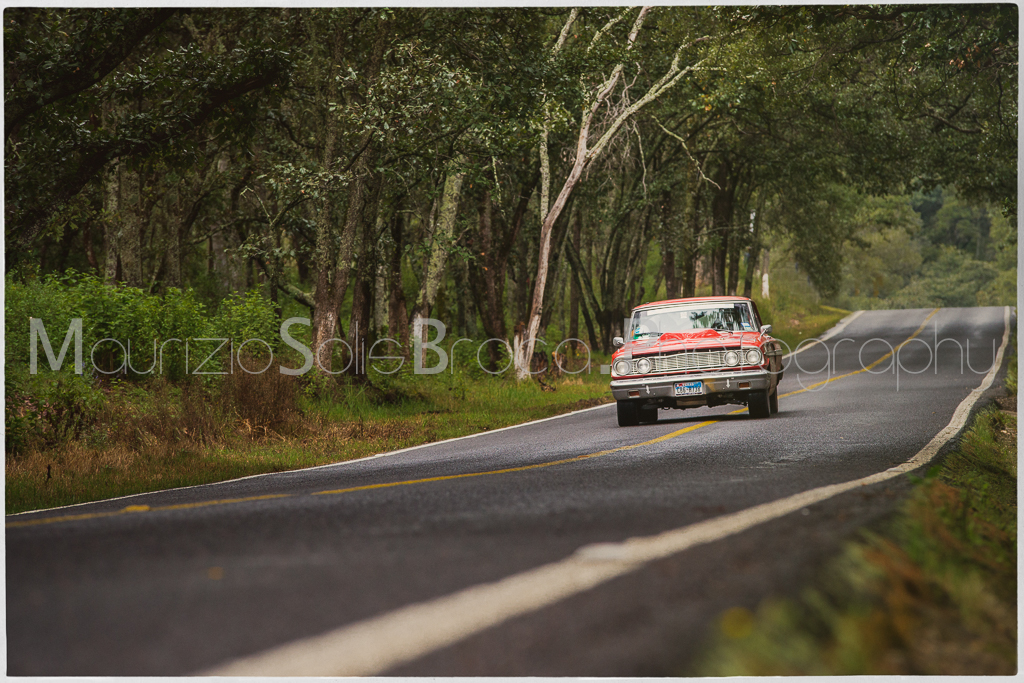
(381,643)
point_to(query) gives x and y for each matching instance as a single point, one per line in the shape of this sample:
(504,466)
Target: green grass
(158,438)
(933,593)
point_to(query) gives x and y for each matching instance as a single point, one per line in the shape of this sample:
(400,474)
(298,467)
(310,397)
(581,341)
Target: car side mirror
(617,342)
(766,329)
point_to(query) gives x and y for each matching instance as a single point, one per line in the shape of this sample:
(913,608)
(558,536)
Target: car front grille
(692,360)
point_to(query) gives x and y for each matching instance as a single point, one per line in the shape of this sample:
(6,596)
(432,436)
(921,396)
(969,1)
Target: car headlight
(643,366)
(622,367)
(753,357)
(732,358)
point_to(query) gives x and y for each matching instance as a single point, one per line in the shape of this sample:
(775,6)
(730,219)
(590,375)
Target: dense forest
(514,173)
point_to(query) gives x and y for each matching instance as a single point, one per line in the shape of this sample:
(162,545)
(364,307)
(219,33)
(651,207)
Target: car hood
(674,342)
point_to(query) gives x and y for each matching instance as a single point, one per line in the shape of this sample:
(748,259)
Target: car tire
(627,413)
(648,415)
(759,405)
(773,401)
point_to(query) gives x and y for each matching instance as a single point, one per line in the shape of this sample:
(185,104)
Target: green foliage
(962,226)
(72,110)
(948,254)
(954,279)
(48,408)
(819,221)
(248,316)
(883,256)
(124,314)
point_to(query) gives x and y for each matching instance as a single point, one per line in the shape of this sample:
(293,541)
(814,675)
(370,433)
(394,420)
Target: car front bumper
(663,386)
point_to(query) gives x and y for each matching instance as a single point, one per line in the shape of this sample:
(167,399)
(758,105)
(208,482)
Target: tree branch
(82,68)
(69,179)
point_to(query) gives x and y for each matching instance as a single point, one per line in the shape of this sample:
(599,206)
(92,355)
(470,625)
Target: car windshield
(653,322)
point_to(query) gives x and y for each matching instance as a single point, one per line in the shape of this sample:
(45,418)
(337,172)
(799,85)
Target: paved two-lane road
(190,580)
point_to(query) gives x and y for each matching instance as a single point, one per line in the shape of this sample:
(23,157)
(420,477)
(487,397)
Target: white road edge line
(378,644)
(315,467)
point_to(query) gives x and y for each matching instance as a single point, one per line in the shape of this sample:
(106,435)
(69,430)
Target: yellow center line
(521,468)
(141,508)
(369,487)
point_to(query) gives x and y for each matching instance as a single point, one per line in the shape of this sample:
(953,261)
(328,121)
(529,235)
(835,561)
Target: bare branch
(932,114)
(607,27)
(696,164)
(643,162)
(663,84)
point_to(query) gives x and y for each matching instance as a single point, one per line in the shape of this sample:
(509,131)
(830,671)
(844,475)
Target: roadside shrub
(248,316)
(125,314)
(182,316)
(43,299)
(44,413)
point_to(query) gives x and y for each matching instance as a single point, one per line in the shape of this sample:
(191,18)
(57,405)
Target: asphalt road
(200,579)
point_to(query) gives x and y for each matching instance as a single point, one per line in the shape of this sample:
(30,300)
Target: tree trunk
(333,266)
(584,156)
(718,268)
(672,243)
(381,298)
(735,247)
(721,213)
(755,251)
(574,286)
(465,303)
(130,242)
(764,276)
(398,316)
(691,238)
(173,278)
(493,244)
(442,238)
(180,229)
(333,279)
(362,293)
(112,222)
(90,252)
(590,309)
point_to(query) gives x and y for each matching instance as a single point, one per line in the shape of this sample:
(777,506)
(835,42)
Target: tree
(586,153)
(57,140)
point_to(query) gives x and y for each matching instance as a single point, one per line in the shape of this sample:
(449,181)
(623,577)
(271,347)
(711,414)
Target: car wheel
(759,405)
(773,401)
(648,415)
(627,413)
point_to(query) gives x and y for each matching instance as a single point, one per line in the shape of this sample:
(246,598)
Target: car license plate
(689,388)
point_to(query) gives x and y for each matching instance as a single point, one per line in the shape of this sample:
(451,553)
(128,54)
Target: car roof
(698,299)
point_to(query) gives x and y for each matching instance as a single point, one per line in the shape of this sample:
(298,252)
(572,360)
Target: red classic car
(688,353)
